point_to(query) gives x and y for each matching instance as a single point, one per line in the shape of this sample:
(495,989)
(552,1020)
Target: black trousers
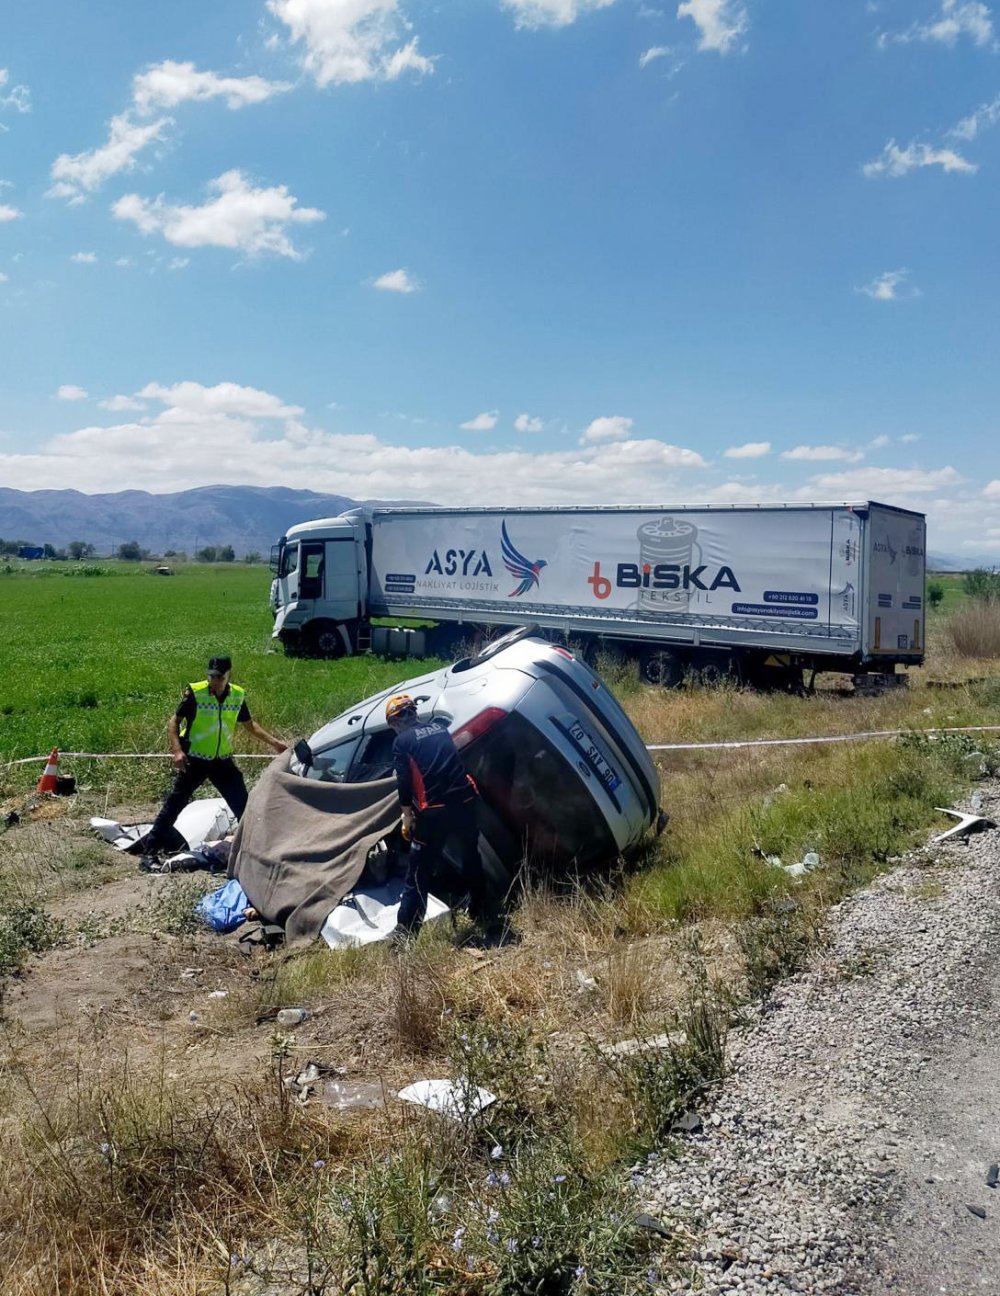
(433,830)
(225,777)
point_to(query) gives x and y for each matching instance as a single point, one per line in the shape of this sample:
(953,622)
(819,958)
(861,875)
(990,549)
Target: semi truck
(764,592)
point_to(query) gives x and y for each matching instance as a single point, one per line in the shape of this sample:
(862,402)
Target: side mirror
(303,753)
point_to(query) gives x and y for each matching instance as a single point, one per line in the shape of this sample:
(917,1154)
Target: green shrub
(24,930)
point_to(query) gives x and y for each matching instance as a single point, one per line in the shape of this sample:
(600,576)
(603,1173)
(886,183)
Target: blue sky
(506,251)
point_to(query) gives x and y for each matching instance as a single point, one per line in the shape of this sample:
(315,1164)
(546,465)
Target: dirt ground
(134,983)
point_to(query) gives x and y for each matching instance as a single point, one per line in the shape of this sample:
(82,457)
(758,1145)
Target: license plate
(594,758)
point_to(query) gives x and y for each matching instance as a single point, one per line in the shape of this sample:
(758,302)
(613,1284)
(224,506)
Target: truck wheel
(324,640)
(715,671)
(661,666)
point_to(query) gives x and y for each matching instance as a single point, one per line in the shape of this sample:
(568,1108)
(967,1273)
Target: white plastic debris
(584,983)
(967,823)
(448,1098)
(655,1043)
(805,865)
(370,915)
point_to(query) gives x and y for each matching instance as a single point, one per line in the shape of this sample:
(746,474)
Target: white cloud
(76,175)
(84,258)
(484,422)
(992,489)
(885,483)
(399,281)
(8,213)
(985,116)
(226,399)
(178,263)
(720,23)
(551,13)
(119,403)
(350,40)
(70,392)
(909,438)
(167,84)
(18,97)
(406,59)
(894,161)
(3,278)
(527,423)
(879,443)
(262,440)
(955,18)
(750,450)
(822,454)
(654,52)
(240,217)
(609,427)
(892,285)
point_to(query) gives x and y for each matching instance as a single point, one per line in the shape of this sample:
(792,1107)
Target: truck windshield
(289,560)
(539,795)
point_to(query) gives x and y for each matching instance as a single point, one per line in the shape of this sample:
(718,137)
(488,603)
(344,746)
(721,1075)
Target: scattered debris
(359,1095)
(992,1175)
(629,1047)
(218,994)
(687,1123)
(189,972)
(644,1221)
(806,865)
(967,823)
(369,914)
(448,1098)
(584,983)
(978,1211)
(290,1016)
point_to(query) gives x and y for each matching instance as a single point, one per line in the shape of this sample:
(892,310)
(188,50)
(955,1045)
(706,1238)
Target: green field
(96,662)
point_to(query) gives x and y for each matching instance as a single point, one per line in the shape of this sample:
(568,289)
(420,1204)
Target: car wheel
(662,667)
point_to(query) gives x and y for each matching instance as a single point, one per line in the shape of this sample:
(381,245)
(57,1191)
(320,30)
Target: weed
(775,944)
(172,910)
(24,930)
(974,628)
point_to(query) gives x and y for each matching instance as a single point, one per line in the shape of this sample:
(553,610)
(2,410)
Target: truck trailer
(763,592)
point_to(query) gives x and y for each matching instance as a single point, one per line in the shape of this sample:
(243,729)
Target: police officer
(202,730)
(437,801)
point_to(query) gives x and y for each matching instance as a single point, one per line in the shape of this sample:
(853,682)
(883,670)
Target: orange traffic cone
(47,783)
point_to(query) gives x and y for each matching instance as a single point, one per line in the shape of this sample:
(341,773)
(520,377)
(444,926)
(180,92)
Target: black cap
(219,665)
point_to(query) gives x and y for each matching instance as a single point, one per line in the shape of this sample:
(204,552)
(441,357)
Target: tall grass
(974,629)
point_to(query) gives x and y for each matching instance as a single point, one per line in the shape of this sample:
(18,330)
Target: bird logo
(519,567)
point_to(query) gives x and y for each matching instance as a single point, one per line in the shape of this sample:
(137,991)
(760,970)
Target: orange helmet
(399,705)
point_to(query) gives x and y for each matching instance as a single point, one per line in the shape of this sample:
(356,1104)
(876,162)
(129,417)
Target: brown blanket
(302,844)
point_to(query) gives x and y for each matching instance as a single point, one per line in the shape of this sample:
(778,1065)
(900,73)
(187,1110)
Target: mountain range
(250,518)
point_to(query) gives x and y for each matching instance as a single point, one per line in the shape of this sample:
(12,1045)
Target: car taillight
(477,726)
(564,652)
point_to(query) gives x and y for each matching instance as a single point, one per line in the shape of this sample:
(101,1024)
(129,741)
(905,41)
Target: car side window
(333,763)
(374,759)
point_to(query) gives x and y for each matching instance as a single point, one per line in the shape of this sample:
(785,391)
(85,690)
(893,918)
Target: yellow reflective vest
(211,732)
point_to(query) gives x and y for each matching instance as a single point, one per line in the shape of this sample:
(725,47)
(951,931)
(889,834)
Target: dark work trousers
(224,775)
(434,829)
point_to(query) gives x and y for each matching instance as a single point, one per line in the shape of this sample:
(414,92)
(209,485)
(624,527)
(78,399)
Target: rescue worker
(201,732)
(437,801)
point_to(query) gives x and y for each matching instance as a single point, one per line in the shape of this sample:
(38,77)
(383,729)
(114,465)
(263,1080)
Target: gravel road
(860,1119)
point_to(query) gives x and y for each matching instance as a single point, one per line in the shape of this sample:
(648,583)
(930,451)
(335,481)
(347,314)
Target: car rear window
(539,795)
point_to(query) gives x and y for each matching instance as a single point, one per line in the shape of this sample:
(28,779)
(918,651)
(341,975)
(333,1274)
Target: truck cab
(318,594)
